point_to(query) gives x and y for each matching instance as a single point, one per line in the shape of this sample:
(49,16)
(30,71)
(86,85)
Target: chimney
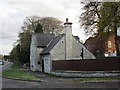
(68,39)
(67,27)
(56,32)
(68,23)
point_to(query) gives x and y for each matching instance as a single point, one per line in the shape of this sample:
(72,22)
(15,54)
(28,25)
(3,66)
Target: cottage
(46,48)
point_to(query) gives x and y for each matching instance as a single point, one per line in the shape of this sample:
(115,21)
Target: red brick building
(110,44)
(106,46)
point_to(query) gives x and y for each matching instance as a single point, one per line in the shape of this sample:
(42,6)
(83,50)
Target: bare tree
(90,16)
(30,23)
(50,23)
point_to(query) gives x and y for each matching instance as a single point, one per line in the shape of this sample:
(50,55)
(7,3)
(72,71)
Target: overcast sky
(13,13)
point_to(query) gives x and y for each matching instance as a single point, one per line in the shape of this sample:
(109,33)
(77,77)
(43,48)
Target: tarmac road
(9,83)
(6,65)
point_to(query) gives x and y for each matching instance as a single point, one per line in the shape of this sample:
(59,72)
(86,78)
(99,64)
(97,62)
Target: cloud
(15,11)
(6,45)
(5,11)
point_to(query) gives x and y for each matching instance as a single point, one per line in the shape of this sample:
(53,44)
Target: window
(39,62)
(109,44)
(32,66)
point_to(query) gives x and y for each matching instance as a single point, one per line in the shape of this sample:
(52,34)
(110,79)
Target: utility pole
(82,54)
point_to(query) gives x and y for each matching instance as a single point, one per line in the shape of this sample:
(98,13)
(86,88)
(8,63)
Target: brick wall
(112,48)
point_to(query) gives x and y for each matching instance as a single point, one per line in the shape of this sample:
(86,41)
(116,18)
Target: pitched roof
(43,39)
(51,44)
(76,37)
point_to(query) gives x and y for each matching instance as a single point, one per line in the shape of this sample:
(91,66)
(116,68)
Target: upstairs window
(109,44)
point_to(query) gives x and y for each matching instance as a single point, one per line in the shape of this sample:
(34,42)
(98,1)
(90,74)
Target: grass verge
(15,66)
(19,74)
(95,79)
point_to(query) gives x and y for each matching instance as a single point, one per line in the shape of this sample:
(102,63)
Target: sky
(14,12)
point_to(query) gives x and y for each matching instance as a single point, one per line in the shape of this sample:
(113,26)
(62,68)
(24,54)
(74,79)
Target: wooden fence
(107,64)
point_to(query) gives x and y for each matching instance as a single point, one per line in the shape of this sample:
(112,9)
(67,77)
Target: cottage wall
(47,63)
(58,51)
(77,49)
(34,56)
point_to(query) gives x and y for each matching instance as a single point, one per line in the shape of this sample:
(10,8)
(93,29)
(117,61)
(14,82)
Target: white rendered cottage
(47,47)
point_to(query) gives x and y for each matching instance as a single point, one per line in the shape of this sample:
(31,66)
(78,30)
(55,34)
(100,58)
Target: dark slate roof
(51,44)
(43,39)
(76,37)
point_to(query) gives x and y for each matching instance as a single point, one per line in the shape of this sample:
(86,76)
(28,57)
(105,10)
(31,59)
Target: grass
(15,66)
(99,78)
(19,74)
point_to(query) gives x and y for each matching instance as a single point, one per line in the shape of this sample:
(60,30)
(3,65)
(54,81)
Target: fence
(107,64)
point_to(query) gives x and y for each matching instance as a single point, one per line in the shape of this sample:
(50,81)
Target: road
(6,65)
(9,83)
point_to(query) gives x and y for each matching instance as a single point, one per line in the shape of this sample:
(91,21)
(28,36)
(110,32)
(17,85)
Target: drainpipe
(65,47)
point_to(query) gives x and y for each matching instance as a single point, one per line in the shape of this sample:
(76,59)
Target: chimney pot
(66,19)
(67,23)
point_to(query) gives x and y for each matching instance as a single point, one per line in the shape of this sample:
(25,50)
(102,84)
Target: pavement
(53,78)
(49,81)
(46,78)
(7,65)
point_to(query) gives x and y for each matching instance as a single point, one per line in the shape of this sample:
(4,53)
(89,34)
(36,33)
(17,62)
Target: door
(42,65)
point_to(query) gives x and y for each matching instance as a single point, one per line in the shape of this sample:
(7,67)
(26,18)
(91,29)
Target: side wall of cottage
(77,49)
(34,56)
(58,51)
(47,63)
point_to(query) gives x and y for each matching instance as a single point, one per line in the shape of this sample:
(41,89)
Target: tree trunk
(115,31)
(116,41)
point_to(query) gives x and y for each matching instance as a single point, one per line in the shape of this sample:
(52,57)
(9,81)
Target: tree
(90,16)
(38,29)
(1,56)
(45,24)
(14,54)
(105,17)
(30,23)
(50,23)
(89,19)
(110,20)
(24,42)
